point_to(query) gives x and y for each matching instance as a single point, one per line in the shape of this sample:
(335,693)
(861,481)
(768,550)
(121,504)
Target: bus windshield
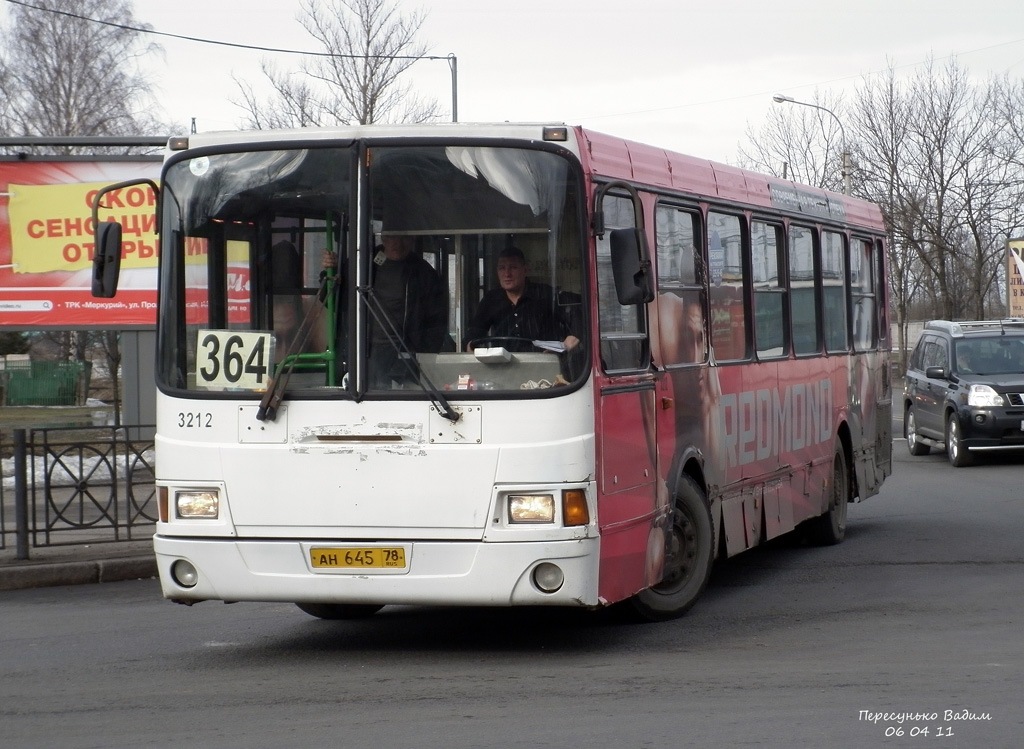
(363,269)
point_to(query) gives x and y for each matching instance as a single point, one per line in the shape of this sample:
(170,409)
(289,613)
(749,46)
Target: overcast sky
(686,75)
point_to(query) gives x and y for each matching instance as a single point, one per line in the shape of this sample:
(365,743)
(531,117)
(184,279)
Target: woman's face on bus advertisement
(679,331)
(681,339)
(692,333)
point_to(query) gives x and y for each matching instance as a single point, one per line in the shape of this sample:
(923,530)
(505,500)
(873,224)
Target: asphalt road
(905,635)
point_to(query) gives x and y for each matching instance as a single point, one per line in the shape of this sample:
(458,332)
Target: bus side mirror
(631,267)
(106,263)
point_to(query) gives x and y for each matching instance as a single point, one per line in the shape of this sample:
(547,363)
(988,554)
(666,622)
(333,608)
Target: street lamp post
(453,65)
(782,99)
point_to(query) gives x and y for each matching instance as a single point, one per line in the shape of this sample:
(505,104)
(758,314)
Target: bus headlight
(197,504)
(531,508)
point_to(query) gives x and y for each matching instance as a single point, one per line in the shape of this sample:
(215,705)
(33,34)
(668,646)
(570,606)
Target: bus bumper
(438,573)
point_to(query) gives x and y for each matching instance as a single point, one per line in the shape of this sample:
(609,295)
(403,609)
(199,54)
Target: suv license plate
(357,557)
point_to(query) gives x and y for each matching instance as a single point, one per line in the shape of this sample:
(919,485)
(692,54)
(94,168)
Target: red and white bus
(729,382)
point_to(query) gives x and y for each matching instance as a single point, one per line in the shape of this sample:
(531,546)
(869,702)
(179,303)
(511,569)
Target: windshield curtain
(456,268)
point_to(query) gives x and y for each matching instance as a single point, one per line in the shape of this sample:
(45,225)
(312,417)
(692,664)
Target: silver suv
(964,389)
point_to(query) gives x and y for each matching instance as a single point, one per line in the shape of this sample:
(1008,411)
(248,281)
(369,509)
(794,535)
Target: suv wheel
(955,451)
(910,427)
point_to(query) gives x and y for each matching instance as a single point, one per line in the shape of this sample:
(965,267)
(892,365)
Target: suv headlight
(983,395)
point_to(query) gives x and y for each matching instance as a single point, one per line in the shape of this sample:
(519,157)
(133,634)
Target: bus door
(632,513)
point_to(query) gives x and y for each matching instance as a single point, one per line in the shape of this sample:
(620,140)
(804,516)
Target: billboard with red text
(46,244)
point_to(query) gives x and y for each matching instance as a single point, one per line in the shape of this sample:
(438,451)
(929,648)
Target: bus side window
(728,280)
(769,289)
(802,296)
(862,300)
(623,331)
(833,290)
(681,336)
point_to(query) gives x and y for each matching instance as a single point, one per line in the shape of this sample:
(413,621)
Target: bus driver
(519,308)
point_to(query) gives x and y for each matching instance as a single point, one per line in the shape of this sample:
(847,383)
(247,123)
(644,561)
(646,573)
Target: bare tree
(63,75)
(13,342)
(1010,109)
(368,45)
(68,68)
(943,155)
(294,103)
(880,115)
(991,194)
(934,156)
(802,143)
(1009,149)
(109,342)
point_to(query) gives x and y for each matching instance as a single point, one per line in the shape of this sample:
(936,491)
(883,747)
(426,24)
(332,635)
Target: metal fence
(69,485)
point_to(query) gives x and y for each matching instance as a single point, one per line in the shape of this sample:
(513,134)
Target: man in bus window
(519,309)
(414,300)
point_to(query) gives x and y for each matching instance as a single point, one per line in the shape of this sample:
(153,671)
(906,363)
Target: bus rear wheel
(830,528)
(688,558)
(339,611)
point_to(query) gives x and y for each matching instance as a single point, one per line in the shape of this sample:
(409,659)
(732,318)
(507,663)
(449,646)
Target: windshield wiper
(406,356)
(271,399)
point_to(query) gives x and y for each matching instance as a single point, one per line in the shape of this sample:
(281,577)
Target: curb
(45,575)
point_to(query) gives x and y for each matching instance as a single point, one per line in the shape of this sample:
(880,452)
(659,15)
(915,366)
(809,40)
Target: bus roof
(618,158)
(603,156)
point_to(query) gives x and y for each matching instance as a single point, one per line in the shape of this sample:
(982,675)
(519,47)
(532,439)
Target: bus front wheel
(338,611)
(688,559)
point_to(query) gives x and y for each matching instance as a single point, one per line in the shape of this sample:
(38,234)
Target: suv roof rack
(961,327)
